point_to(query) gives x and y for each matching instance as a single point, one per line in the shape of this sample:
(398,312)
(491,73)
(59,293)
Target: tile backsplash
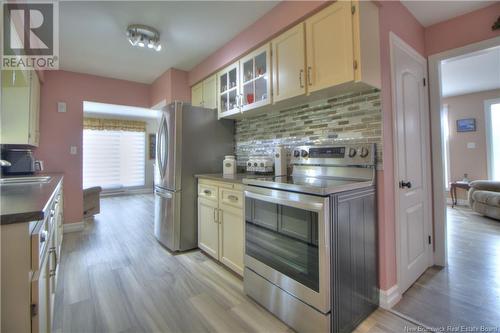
(353,118)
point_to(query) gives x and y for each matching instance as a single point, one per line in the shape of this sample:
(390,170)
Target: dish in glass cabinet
(250,98)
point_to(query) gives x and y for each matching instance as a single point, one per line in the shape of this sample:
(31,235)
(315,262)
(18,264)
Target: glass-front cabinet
(246,84)
(228,91)
(255,69)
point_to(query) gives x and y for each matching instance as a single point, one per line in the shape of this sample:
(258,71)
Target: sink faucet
(4,163)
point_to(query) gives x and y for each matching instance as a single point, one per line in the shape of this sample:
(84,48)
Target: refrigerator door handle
(165,151)
(159,157)
(163,194)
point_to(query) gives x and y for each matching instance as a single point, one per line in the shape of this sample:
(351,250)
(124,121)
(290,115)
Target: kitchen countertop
(27,202)
(236,179)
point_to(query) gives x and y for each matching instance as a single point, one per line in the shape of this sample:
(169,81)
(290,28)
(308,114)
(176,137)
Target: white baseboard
(73,227)
(460,202)
(389,297)
(146,190)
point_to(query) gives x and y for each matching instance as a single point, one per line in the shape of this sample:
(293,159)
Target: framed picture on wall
(152,146)
(466,125)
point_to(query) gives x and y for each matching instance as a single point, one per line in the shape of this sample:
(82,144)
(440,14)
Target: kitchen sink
(25,180)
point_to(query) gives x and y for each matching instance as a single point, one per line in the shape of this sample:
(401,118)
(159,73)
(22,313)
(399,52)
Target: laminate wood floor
(467,292)
(115,277)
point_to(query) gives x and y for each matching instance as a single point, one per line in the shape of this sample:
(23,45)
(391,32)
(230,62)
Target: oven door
(287,242)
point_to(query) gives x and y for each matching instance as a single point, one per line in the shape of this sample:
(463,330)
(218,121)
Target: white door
(412,162)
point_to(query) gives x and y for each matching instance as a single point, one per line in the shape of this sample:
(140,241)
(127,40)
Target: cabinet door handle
(215,217)
(232,197)
(309,81)
(207,192)
(220,216)
(301,72)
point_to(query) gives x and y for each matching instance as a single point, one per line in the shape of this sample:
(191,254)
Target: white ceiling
(431,12)
(93,40)
(479,71)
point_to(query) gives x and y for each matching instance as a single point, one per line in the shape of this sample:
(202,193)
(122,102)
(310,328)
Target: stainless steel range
(297,262)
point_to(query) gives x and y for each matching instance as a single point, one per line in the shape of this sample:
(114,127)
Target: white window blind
(113,159)
(494,141)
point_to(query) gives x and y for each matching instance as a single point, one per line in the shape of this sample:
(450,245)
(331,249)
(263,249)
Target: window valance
(114,124)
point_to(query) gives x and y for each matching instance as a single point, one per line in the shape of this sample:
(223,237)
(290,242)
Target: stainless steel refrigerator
(189,141)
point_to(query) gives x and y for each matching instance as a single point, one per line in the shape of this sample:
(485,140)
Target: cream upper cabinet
(203,94)
(20,108)
(34,124)
(228,91)
(288,57)
(197,95)
(366,43)
(255,71)
(334,51)
(208,227)
(210,92)
(16,107)
(329,47)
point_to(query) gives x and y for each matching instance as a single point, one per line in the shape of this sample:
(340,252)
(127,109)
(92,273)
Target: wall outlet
(471,145)
(61,107)
(72,150)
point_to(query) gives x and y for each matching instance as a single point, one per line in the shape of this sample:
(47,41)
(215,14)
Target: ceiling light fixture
(142,35)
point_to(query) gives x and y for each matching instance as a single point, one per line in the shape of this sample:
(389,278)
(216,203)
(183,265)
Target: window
(113,158)
(492,108)
(445,130)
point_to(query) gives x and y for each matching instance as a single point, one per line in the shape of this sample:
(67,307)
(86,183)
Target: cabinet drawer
(231,197)
(208,191)
(216,183)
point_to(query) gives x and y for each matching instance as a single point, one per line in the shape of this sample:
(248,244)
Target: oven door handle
(303,204)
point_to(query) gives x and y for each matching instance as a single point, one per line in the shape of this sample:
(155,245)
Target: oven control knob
(304,153)
(249,164)
(352,152)
(255,164)
(364,152)
(296,153)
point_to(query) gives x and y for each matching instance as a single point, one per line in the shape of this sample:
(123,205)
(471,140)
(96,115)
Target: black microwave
(22,161)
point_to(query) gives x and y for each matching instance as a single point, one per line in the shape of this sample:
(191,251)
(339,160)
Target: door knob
(403,184)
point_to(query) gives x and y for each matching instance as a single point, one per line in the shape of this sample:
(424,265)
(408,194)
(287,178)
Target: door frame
(396,41)
(438,188)
(489,149)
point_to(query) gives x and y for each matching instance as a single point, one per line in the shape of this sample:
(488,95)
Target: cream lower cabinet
(221,222)
(208,226)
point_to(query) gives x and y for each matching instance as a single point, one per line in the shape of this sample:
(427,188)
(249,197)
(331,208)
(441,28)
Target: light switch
(61,107)
(72,150)
(471,145)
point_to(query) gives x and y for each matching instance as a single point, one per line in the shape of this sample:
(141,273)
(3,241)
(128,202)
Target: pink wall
(170,86)
(282,16)
(462,30)
(393,17)
(59,131)
(463,159)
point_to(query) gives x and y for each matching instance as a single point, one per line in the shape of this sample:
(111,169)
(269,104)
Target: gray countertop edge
(38,214)
(235,179)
